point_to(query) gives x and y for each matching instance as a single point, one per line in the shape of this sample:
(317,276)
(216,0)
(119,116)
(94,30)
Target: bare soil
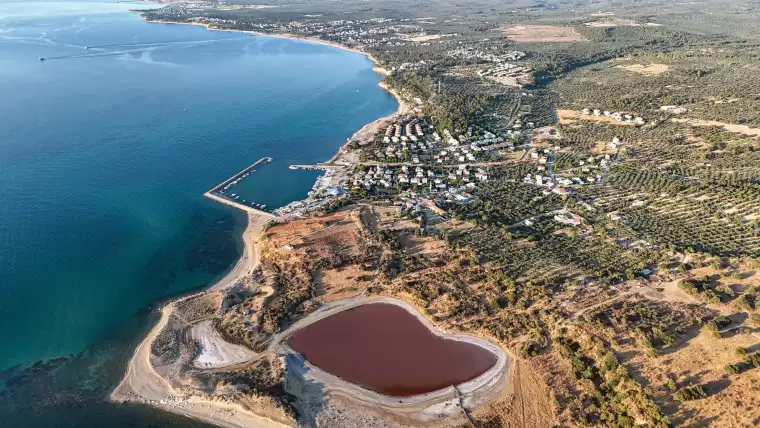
(568,117)
(740,129)
(543,34)
(651,69)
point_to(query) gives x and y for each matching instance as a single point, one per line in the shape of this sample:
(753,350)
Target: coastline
(365,133)
(141,383)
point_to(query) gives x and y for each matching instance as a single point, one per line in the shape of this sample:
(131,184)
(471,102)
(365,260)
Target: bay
(104,155)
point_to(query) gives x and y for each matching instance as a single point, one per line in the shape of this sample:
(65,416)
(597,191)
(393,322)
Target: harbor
(221,194)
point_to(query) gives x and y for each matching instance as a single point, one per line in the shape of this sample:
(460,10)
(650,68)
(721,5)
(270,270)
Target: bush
(722,321)
(755,318)
(713,329)
(689,393)
(753,360)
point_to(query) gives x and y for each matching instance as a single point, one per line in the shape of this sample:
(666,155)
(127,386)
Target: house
(435,208)
(567,218)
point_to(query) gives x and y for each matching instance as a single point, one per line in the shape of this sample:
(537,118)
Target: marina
(221,192)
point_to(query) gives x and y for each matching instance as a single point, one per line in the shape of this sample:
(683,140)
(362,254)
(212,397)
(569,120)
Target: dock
(248,169)
(215,192)
(318,166)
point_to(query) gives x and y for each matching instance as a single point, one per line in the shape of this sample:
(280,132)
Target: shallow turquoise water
(104,155)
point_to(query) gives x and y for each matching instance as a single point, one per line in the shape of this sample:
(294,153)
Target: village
(424,172)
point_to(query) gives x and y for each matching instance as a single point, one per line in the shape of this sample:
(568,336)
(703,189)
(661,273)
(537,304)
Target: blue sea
(104,156)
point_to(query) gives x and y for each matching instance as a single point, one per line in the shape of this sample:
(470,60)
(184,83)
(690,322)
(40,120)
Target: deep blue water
(104,156)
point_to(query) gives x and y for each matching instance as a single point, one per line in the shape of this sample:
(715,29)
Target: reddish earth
(386,349)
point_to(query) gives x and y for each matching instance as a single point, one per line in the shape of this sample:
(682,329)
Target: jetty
(216,192)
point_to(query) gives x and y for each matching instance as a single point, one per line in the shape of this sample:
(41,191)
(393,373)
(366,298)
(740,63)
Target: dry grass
(412,244)
(731,401)
(613,22)
(730,127)
(530,404)
(651,69)
(425,38)
(567,117)
(543,34)
(341,283)
(319,236)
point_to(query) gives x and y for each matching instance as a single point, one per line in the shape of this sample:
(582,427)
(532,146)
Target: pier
(317,166)
(216,192)
(248,169)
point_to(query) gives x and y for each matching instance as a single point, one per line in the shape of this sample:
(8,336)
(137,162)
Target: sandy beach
(143,384)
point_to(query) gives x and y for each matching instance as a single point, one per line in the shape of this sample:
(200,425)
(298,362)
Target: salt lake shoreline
(141,383)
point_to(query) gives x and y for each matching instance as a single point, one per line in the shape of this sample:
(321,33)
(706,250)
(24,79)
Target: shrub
(689,393)
(713,329)
(753,360)
(755,318)
(722,321)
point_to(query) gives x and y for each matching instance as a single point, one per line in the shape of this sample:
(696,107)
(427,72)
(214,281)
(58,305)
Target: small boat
(42,59)
(86,47)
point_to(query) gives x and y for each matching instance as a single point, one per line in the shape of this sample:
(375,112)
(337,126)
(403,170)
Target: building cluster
(405,66)
(428,179)
(411,130)
(465,148)
(508,74)
(328,187)
(413,140)
(586,171)
(367,32)
(405,140)
(474,53)
(619,116)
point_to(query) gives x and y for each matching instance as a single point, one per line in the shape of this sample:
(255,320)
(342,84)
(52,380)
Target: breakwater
(218,194)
